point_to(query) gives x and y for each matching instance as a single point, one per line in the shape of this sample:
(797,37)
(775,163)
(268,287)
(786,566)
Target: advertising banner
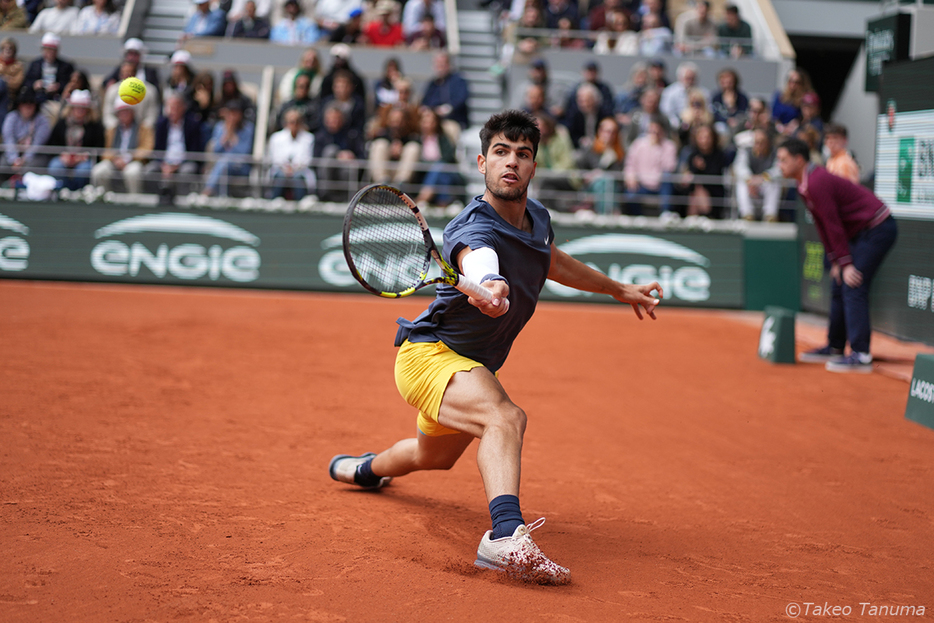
(303,251)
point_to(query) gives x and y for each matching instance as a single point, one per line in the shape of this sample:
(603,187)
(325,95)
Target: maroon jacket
(841,210)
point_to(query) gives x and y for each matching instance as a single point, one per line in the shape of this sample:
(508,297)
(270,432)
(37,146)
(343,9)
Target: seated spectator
(97,18)
(237,9)
(349,31)
(704,158)
(308,107)
(205,22)
(294,28)
(57,19)
(758,117)
(396,148)
(25,131)
(810,115)
(786,104)
(583,118)
(658,74)
(427,37)
(340,63)
(249,25)
(232,147)
(385,31)
(128,146)
(12,74)
(696,114)
(643,116)
(619,37)
(76,134)
(133,52)
(758,178)
(700,33)
(597,18)
(735,34)
(557,10)
(813,140)
(337,145)
(12,16)
(49,73)
(652,7)
(178,139)
(353,107)
(309,64)
(204,106)
(565,36)
(414,10)
(182,75)
(447,94)
(528,45)
(555,94)
(404,101)
(230,91)
(839,160)
(145,113)
(599,164)
(290,152)
(729,104)
(440,185)
(556,170)
(651,159)
(385,89)
(654,38)
(78,81)
(675,96)
(627,99)
(590,75)
(535,102)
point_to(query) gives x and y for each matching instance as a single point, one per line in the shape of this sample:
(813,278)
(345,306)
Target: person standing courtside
(450,355)
(857,230)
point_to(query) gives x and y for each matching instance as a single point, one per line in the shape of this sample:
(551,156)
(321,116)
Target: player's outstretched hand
(641,295)
(499,305)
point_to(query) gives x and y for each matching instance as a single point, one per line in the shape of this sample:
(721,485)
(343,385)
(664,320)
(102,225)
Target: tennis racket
(389,248)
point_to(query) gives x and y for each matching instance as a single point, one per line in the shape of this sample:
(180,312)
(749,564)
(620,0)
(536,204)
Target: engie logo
(688,283)
(187,260)
(14,250)
(333,267)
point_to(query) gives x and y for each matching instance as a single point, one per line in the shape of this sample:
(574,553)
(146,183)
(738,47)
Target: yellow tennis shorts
(423,371)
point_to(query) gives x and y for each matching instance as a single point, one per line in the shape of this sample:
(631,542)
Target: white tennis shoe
(343,468)
(520,557)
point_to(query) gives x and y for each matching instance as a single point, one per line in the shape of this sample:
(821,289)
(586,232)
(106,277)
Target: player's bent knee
(510,419)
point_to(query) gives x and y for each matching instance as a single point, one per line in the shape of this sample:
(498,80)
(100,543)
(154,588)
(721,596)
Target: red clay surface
(165,449)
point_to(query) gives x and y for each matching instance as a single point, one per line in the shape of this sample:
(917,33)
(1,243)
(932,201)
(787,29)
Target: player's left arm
(575,274)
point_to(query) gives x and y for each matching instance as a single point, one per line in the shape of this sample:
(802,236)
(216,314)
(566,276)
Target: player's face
(507,168)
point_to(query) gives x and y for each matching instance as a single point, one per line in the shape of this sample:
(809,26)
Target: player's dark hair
(796,147)
(515,125)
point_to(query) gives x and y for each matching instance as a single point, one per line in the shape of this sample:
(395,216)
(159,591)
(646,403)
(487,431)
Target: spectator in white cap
(58,19)
(48,74)
(294,28)
(205,22)
(180,81)
(99,17)
(340,61)
(128,147)
(134,52)
(76,135)
(329,14)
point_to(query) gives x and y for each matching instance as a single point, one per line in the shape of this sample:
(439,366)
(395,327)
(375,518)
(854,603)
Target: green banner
(102,242)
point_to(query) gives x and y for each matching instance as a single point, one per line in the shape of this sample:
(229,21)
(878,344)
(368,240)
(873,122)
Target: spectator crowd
(658,141)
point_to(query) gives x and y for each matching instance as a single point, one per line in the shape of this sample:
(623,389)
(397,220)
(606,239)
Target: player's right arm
(479,268)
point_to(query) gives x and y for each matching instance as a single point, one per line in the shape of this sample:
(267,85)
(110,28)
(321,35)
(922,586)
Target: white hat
(121,105)
(384,7)
(181,56)
(134,44)
(80,97)
(50,40)
(341,50)
(200,1)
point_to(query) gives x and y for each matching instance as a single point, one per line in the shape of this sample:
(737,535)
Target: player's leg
(421,453)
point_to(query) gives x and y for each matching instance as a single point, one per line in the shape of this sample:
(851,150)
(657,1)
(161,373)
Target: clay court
(165,459)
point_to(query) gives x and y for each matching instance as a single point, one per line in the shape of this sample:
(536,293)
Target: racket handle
(473,290)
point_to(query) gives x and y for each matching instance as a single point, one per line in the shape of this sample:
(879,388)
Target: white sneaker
(519,556)
(343,468)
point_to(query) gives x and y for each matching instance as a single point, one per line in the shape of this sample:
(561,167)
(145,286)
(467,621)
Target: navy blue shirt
(524,261)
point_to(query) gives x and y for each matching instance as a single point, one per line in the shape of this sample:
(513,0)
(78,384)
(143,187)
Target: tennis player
(449,356)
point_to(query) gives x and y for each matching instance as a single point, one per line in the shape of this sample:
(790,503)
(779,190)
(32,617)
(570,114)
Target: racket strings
(386,242)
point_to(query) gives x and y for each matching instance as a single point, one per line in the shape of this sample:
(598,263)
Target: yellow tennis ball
(132,91)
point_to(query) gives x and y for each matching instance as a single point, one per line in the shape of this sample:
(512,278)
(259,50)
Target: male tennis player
(448,356)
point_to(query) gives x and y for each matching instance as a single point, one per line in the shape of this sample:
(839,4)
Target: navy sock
(506,516)
(365,476)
